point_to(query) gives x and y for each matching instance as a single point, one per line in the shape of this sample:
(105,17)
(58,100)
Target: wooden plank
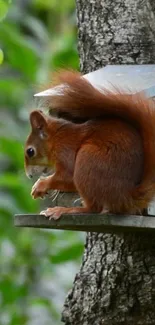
(90,222)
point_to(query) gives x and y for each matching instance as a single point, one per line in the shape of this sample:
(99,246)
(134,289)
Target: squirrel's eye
(30,152)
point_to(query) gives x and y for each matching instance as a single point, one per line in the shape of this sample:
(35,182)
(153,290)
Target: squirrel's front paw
(40,188)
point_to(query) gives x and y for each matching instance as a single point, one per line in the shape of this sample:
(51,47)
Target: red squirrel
(108,158)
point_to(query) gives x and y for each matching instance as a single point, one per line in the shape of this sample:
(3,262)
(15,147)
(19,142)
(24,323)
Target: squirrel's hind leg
(56,212)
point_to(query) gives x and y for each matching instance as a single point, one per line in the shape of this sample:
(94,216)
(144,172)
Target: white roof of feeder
(129,78)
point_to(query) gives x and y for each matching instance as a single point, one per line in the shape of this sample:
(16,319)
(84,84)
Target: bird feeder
(130,79)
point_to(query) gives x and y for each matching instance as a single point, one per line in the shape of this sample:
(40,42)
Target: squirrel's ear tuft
(39,123)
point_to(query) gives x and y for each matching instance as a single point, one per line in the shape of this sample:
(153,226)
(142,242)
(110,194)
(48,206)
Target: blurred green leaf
(14,150)
(65,6)
(3,9)
(1,56)
(22,54)
(15,291)
(67,254)
(15,184)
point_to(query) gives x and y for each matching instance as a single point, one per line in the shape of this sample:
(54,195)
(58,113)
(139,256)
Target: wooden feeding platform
(132,79)
(89,222)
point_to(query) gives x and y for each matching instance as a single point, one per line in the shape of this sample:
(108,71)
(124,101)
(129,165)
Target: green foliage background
(36,266)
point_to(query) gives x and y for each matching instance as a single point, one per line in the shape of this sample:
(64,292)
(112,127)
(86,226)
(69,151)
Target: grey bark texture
(116,282)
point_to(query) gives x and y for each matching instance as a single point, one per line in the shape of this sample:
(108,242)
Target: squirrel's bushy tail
(80,99)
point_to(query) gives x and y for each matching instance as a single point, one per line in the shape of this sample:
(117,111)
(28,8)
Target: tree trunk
(116,282)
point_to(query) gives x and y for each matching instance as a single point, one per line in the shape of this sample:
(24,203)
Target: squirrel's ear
(38,122)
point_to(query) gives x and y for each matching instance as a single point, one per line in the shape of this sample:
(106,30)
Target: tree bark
(116,282)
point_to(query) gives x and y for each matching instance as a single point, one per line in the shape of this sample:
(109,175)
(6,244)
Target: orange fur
(109,159)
